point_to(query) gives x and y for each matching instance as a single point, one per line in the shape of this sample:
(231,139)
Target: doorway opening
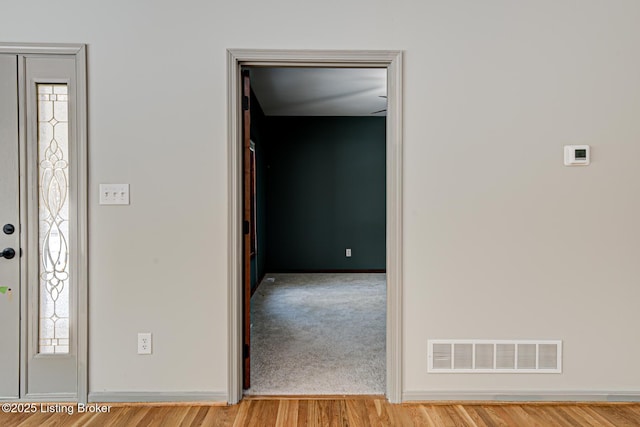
(239,224)
(317,230)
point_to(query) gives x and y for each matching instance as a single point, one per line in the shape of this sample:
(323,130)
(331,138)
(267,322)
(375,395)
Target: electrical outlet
(348,253)
(144,343)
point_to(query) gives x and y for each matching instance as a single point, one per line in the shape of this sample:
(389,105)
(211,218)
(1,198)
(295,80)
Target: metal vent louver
(494,356)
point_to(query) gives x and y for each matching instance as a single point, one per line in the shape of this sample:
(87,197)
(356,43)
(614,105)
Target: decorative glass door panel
(51,188)
(53,217)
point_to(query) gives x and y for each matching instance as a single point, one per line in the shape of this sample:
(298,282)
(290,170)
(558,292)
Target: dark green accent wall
(325,193)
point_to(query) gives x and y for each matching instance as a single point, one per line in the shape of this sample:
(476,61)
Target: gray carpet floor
(318,334)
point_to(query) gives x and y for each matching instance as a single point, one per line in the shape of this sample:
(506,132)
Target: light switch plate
(114,194)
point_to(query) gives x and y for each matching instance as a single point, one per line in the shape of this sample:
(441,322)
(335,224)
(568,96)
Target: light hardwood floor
(341,411)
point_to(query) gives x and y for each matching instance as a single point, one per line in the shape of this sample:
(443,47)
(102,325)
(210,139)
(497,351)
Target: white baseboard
(43,397)
(157,396)
(408,396)
(523,396)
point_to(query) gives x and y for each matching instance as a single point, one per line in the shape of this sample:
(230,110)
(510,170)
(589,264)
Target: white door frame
(392,61)
(80,257)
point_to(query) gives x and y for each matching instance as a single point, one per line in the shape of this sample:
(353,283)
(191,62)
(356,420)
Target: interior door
(246,209)
(9,230)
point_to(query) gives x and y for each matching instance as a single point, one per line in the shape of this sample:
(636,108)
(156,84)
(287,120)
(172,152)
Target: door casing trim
(392,60)
(80,258)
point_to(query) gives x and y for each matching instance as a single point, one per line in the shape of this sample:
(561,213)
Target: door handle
(7,253)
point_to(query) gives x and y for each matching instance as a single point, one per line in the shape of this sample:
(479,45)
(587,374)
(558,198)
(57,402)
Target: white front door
(42,213)
(9,230)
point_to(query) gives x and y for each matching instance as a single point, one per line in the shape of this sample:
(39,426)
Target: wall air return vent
(494,356)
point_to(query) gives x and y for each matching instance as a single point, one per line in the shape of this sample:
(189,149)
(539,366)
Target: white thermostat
(577,155)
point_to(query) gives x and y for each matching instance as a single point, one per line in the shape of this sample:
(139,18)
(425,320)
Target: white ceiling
(320,91)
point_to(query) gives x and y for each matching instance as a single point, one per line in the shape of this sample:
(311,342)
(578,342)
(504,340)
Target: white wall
(501,240)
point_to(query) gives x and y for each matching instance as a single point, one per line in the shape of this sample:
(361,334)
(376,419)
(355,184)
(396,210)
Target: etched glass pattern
(53,212)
